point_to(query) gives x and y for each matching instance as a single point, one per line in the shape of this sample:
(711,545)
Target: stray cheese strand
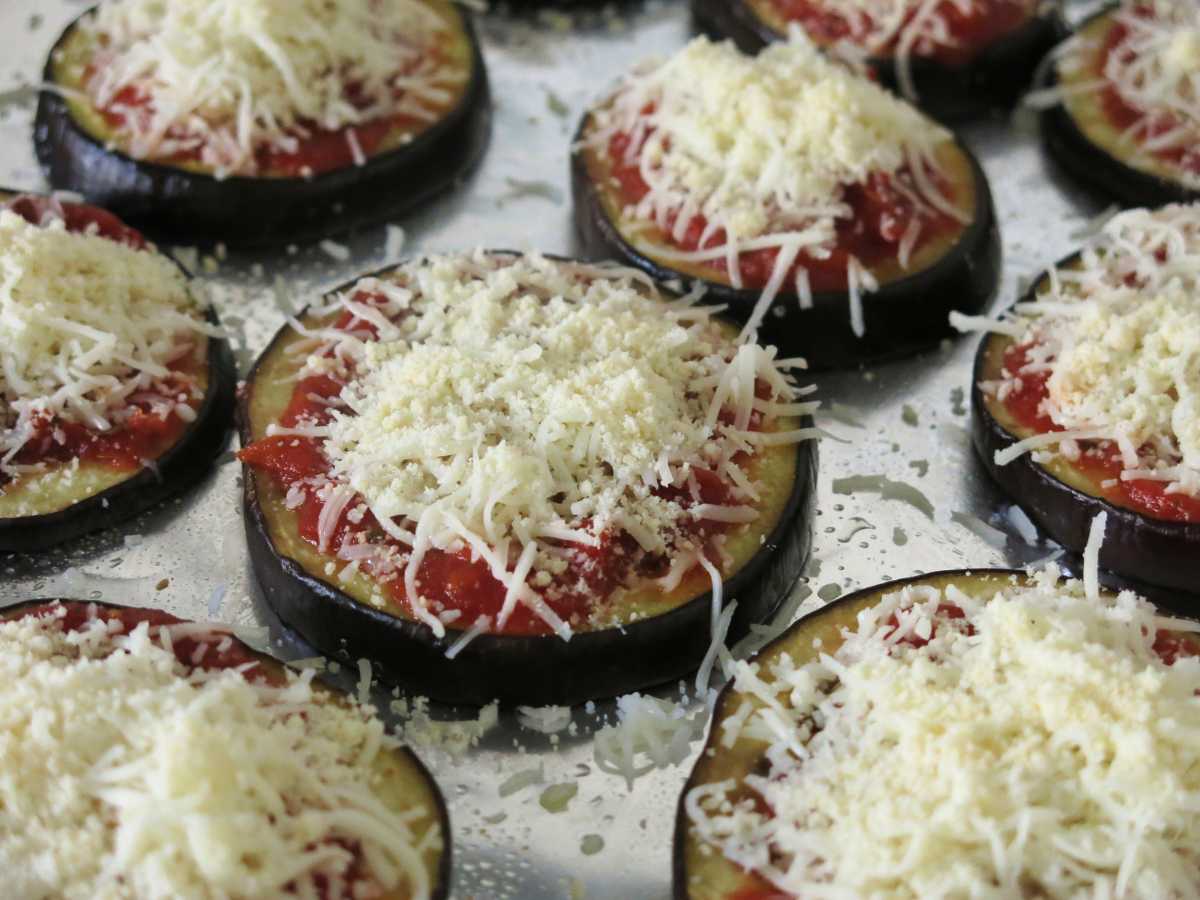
(86,324)
(1039,746)
(125,776)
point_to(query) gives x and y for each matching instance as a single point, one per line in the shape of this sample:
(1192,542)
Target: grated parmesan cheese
(127,776)
(226,78)
(87,326)
(1037,747)
(764,148)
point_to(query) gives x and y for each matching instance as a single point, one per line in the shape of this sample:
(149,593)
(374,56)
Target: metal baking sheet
(905,421)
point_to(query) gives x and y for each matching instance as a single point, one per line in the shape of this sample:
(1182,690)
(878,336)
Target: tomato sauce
(1124,117)
(144,435)
(880,216)
(970,31)
(454,580)
(1101,460)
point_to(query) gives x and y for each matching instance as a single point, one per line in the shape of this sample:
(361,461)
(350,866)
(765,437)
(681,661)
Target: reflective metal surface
(904,421)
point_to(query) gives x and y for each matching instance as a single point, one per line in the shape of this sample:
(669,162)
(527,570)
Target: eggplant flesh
(1063,501)
(908,314)
(663,644)
(405,783)
(701,875)
(994,80)
(1095,154)
(183,203)
(98,497)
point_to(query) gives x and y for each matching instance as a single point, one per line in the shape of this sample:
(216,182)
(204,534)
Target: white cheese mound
(907,28)
(1156,72)
(86,325)
(1045,751)
(124,776)
(226,77)
(1120,337)
(763,147)
(511,404)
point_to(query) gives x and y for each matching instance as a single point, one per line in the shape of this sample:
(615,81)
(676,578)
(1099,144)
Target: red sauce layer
(971,31)
(455,581)
(1122,116)
(318,150)
(146,434)
(881,214)
(1101,460)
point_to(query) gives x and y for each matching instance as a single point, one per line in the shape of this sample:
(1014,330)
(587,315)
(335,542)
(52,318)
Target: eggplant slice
(530,670)
(1079,137)
(102,501)
(994,80)
(407,777)
(183,205)
(1062,500)
(700,873)
(909,313)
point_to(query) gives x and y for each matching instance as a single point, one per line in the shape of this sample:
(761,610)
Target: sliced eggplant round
(98,496)
(1093,152)
(510,668)
(405,782)
(701,873)
(909,312)
(188,204)
(993,80)
(1063,500)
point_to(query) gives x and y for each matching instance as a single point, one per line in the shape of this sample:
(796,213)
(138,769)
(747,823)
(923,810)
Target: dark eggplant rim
(183,464)
(419,167)
(1139,546)
(483,669)
(950,93)
(440,811)
(905,316)
(1092,166)
(679,839)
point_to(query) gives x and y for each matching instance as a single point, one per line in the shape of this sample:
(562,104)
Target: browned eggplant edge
(516,669)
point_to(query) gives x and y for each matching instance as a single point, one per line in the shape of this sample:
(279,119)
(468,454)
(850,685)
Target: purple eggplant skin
(179,206)
(515,669)
(1157,552)
(182,466)
(993,81)
(904,317)
(441,885)
(1092,167)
